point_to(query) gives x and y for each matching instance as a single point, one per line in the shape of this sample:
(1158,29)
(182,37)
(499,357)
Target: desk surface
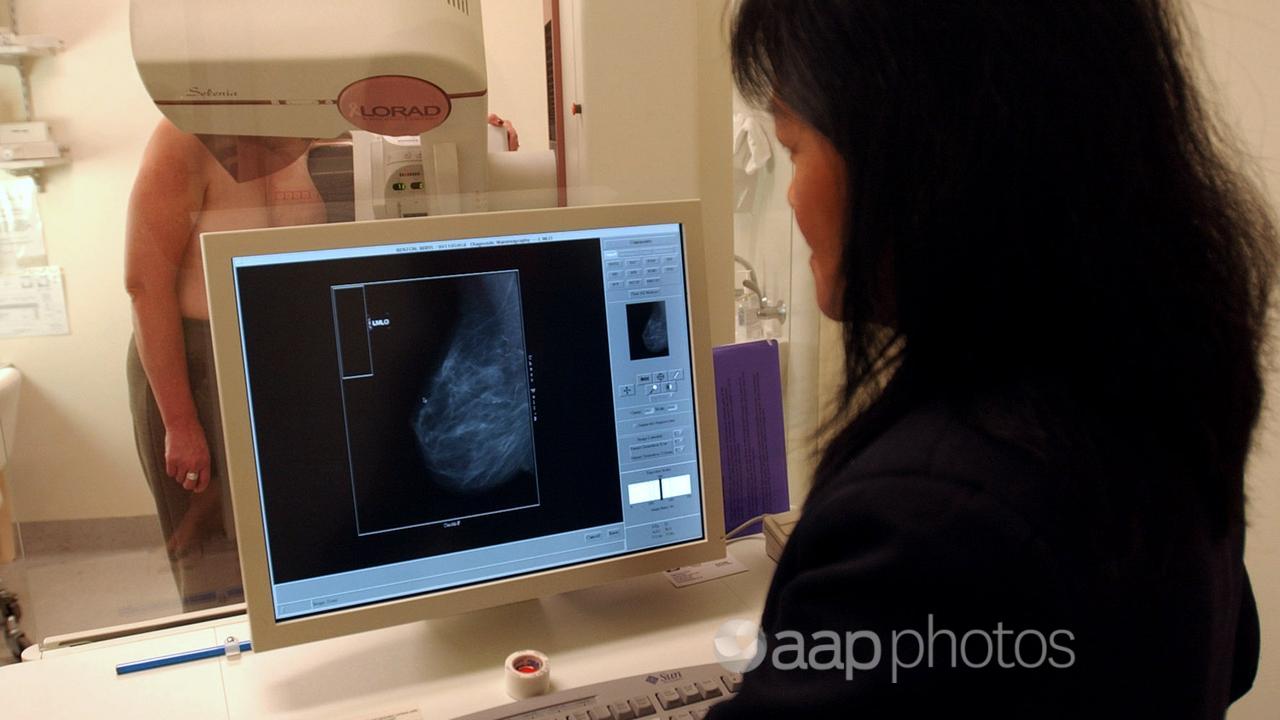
(443,667)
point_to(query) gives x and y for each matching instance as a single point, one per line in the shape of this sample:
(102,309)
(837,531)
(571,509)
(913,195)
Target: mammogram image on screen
(440,428)
(647,330)
(472,426)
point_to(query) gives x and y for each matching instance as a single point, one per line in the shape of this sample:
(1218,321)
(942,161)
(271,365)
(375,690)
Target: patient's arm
(164,207)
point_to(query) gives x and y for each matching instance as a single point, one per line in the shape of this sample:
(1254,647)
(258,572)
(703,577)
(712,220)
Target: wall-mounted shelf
(16,48)
(20,167)
(15,54)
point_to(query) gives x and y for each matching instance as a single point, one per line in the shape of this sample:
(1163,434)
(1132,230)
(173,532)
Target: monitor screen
(442,412)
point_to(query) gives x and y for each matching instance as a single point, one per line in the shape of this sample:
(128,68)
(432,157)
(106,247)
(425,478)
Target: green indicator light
(399,187)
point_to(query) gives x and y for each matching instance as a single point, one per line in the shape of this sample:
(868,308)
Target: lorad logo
(740,646)
(394,105)
(400,111)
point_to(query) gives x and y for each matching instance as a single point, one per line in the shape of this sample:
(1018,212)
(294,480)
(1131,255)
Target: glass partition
(773,288)
(173,118)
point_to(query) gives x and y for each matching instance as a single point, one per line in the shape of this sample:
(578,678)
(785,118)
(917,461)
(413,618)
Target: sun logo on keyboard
(665,677)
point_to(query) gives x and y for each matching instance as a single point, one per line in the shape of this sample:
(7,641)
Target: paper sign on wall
(32,302)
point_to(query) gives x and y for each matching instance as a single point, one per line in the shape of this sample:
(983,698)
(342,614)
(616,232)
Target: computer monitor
(430,416)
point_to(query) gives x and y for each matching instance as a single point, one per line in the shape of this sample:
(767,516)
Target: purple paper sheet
(753,452)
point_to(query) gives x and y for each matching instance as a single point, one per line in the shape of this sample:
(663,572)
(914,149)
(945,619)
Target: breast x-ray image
(441,429)
(647,329)
(473,424)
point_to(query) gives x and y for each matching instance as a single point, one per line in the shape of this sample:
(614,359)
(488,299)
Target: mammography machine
(624,109)
(403,69)
(431,416)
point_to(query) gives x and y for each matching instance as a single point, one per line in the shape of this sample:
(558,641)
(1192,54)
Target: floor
(86,591)
(88,576)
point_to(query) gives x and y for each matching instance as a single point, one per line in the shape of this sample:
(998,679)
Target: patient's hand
(197,524)
(513,138)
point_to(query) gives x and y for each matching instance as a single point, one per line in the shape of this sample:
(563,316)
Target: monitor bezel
(220,248)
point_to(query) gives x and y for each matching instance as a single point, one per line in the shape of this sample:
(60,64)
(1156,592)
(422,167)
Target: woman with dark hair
(1054,288)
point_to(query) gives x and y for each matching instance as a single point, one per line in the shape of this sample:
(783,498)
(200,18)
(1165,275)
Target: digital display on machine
(435,415)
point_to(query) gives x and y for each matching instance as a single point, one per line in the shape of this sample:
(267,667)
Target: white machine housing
(390,181)
(322,68)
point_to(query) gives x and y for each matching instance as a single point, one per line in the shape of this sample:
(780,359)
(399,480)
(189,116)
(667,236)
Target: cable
(745,525)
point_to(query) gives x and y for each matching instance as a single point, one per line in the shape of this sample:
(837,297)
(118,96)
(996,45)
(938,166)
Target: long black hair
(1044,211)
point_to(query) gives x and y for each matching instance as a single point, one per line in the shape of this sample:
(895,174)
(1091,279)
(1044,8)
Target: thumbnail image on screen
(647,330)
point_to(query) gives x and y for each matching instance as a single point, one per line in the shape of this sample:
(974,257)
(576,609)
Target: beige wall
(1241,44)
(74,455)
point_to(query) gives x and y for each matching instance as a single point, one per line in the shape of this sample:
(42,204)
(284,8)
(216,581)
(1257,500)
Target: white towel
(751,154)
(749,133)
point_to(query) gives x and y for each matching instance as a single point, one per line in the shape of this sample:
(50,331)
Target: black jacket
(937,534)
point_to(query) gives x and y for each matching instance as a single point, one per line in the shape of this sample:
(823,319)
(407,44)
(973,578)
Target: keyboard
(681,694)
